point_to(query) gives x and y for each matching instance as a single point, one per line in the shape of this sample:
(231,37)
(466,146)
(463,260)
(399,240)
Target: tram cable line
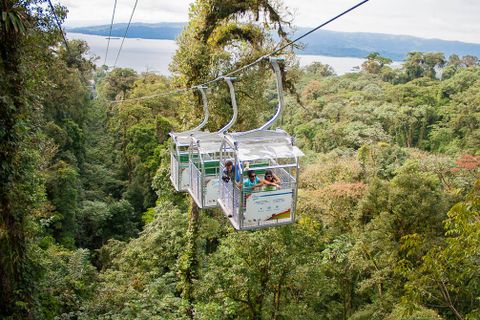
(59,26)
(110,31)
(249,65)
(156,95)
(318,27)
(126,32)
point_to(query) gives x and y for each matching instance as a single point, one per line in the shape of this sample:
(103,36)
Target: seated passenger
(271,181)
(251,182)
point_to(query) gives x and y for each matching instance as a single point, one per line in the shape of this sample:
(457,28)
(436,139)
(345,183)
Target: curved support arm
(234,105)
(205,108)
(281,101)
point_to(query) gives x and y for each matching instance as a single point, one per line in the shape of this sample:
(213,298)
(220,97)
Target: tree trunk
(277,297)
(448,300)
(188,260)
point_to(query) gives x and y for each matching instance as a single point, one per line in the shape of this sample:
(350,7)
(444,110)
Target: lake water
(155,55)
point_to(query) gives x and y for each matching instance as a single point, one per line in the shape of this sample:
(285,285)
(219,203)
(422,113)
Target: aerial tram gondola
(199,162)
(258,152)
(179,169)
(204,160)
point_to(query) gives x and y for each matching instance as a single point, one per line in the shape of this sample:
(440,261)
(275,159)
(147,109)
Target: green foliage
(67,280)
(458,129)
(62,190)
(139,278)
(448,273)
(98,221)
(216,40)
(117,83)
(138,134)
(122,220)
(419,64)
(317,69)
(365,108)
(381,160)
(20,184)
(413,312)
(256,275)
(375,63)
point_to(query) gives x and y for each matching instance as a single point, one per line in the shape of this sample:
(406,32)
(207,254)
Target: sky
(441,19)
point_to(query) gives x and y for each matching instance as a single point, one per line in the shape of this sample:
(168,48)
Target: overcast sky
(442,19)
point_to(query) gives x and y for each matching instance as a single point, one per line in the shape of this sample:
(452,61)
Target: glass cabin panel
(204,178)
(211,181)
(174,170)
(229,194)
(184,172)
(181,169)
(196,184)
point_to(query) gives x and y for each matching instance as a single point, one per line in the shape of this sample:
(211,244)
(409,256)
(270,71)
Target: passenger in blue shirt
(251,182)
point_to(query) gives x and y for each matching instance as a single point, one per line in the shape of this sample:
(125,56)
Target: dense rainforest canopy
(388,222)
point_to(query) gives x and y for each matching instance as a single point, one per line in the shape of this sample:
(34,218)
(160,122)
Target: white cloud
(444,19)
(100,11)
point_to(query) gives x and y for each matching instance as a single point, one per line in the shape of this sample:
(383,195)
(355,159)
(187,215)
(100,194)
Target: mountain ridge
(322,42)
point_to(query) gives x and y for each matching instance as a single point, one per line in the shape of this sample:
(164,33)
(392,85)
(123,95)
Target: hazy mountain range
(322,42)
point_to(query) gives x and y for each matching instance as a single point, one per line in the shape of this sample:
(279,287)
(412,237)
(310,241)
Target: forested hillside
(388,214)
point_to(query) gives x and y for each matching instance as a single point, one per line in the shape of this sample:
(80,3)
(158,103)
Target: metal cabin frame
(204,160)
(180,142)
(262,149)
(267,149)
(204,164)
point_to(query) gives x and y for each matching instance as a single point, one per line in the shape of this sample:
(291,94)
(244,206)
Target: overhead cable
(82,78)
(157,95)
(110,32)
(126,32)
(252,63)
(59,26)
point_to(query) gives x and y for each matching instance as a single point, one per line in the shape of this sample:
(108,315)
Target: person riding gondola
(251,182)
(229,172)
(271,181)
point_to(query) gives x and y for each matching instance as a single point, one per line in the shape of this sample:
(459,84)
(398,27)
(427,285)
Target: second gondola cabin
(180,142)
(204,159)
(179,169)
(204,166)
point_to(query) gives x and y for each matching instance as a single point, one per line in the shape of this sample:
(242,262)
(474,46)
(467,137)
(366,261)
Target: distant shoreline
(322,42)
(155,55)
